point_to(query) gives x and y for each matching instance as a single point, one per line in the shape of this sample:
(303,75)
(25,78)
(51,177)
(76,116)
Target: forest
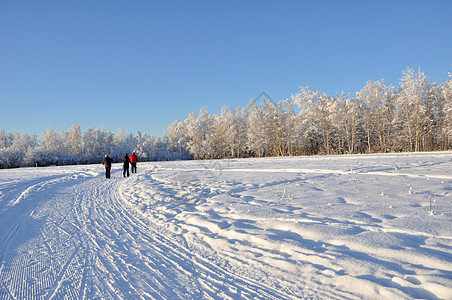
(416,116)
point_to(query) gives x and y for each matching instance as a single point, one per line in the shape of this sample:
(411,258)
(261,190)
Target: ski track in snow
(337,227)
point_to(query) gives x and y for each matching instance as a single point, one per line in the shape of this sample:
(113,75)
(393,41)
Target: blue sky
(140,65)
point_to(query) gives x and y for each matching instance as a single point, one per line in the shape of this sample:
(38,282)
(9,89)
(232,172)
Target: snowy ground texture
(324,227)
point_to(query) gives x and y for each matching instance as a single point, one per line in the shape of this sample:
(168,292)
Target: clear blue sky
(140,65)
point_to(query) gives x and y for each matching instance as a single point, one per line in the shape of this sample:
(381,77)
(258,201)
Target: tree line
(74,147)
(417,116)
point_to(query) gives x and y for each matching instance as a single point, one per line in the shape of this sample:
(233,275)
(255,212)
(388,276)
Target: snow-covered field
(326,227)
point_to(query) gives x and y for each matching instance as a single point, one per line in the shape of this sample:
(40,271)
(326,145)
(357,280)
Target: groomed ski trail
(75,239)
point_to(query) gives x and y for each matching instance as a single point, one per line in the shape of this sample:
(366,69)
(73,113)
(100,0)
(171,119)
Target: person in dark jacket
(107,163)
(126,161)
(133,161)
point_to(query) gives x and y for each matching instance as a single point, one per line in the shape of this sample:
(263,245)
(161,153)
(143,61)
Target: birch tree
(198,130)
(412,108)
(373,98)
(317,107)
(52,140)
(256,137)
(73,140)
(446,94)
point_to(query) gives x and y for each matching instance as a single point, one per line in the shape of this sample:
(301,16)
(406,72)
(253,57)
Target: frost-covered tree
(257,142)
(160,148)
(338,116)
(231,130)
(318,110)
(5,140)
(446,113)
(177,140)
(278,121)
(52,151)
(198,132)
(123,142)
(15,147)
(73,140)
(91,146)
(220,135)
(52,140)
(413,119)
(289,121)
(98,142)
(271,127)
(373,98)
(305,122)
(144,147)
(352,123)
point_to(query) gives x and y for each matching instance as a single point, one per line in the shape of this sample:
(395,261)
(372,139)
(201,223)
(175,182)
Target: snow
(320,227)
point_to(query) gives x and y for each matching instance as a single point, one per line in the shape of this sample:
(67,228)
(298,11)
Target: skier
(126,161)
(107,163)
(133,161)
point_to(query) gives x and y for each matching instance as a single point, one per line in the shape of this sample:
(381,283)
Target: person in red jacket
(133,160)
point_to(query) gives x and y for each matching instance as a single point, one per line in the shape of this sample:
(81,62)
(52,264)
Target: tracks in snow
(74,239)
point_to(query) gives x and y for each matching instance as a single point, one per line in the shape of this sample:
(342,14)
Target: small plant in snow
(285,192)
(410,190)
(432,205)
(354,177)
